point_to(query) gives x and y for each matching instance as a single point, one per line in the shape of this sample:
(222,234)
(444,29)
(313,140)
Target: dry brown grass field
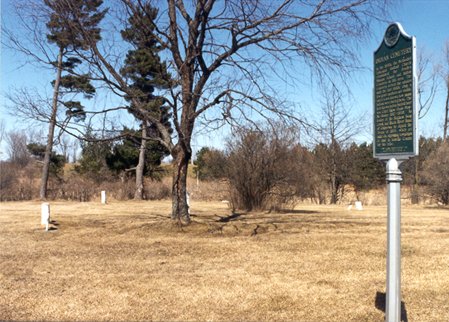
(128,261)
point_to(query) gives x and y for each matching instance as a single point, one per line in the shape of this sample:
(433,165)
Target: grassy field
(128,261)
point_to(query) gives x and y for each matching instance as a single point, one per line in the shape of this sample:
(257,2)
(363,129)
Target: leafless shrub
(8,179)
(79,188)
(208,190)
(436,174)
(17,182)
(17,148)
(157,190)
(262,168)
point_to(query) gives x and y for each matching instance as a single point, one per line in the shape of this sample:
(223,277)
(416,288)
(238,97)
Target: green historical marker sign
(395,95)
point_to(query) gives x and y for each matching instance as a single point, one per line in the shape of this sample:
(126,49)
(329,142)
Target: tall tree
(17,148)
(224,54)
(445,74)
(427,82)
(67,41)
(146,72)
(336,129)
(427,88)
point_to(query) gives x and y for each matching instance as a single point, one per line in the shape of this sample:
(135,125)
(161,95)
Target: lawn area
(129,261)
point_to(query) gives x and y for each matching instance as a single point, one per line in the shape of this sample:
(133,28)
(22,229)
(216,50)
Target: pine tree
(145,72)
(94,156)
(64,34)
(125,154)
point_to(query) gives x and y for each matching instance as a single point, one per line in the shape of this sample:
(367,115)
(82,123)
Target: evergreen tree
(209,164)
(125,155)
(57,161)
(365,172)
(145,72)
(94,155)
(68,39)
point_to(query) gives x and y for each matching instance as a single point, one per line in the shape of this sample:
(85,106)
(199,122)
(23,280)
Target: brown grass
(128,261)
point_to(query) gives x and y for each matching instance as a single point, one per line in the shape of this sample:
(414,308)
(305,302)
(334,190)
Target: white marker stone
(358,205)
(103,197)
(45,214)
(188,202)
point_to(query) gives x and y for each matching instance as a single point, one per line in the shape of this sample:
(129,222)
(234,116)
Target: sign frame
(392,36)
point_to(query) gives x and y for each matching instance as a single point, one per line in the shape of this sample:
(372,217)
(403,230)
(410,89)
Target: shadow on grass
(437,207)
(298,211)
(281,220)
(380,304)
(229,218)
(234,216)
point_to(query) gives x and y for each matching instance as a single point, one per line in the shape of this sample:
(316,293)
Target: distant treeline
(262,170)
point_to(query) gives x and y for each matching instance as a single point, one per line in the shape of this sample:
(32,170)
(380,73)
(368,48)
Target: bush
(436,174)
(8,180)
(264,169)
(18,182)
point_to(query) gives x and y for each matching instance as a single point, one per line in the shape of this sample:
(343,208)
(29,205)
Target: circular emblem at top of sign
(392,35)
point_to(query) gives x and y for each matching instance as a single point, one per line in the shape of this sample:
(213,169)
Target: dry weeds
(128,261)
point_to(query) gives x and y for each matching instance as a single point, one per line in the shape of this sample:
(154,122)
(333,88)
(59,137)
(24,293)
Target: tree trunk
(446,112)
(138,194)
(334,186)
(334,190)
(51,130)
(415,186)
(180,208)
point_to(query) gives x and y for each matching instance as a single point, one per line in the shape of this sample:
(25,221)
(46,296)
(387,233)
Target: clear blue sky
(427,20)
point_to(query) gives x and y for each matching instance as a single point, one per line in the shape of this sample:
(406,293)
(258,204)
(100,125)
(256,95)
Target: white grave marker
(45,215)
(103,197)
(358,205)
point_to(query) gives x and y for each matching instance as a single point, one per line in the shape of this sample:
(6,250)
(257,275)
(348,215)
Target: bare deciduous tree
(336,129)
(2,132)
(445,74)
(427,82)
(223,56)
(427,73)
(17,148)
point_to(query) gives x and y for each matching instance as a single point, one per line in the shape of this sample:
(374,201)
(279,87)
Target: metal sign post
(393,305)
(395,139)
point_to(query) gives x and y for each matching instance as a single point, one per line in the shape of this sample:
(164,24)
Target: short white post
(188,202)
(45,214)
(103,197)
(393,305)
